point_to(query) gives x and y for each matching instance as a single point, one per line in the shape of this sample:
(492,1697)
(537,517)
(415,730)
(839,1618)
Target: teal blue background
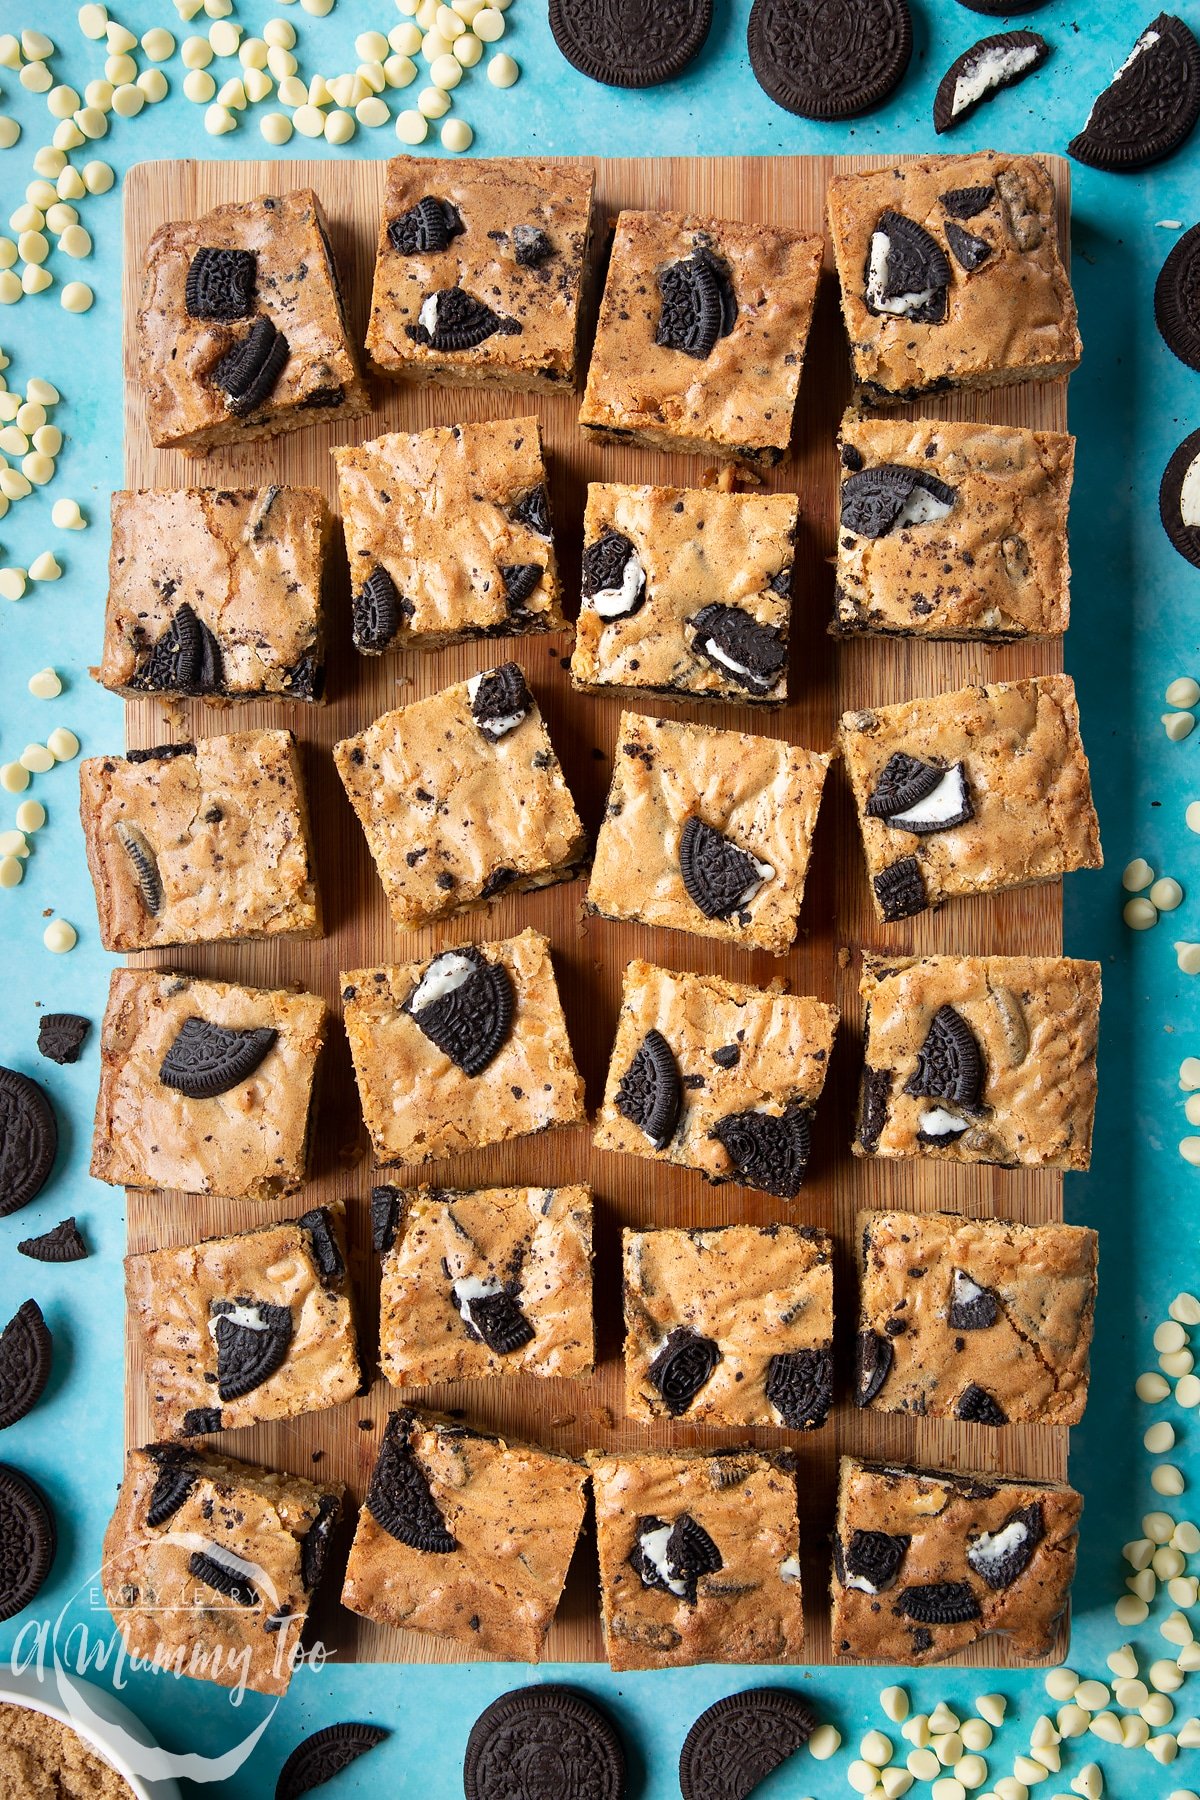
(1136,606)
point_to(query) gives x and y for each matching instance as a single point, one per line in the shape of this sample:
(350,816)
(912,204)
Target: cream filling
(653,1545)
(991,70)
(993,1547)
(922,508)
(789,1569)
(428,315)
(249,1316)
(444,974)
(473,1287)
(1189,496)
(965,1290)
(939,1121)
(1147,40)
(945,802)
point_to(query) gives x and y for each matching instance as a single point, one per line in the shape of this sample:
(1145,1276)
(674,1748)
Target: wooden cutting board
(590,954)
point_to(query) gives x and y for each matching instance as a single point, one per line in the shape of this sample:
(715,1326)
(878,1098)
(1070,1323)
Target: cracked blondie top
(491,1282)
(927,1562)
(686,593)
(204,1086)
(971,793)
(256,1325)
(701,335)
(952,530)
(197,843)
(479,271)
(448,535)
(951,275)
(466,1048)
(707,831)
(699,1557)
(983,1320)
(980,1059)
(216,593)
(732,1326)
(465,1536)
(241,329)
(462,797)
(716,1076)
(216,1561)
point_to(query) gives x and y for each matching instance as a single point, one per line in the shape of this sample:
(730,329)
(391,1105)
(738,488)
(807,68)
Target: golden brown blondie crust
(977,548)
(979,234)
(927,1562)
(735,402)
(980,1059)
(724,1587)
(985,1320)
(199,843)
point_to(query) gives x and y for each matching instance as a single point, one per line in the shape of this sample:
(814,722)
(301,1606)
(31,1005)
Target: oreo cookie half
(1151,105)
(1178,503)
(538,1742)
(61,1245)
(247,374)
(741,649)
(464,1005)
(829,59)
(630,43)
(25,1356)
(650,1093)
(27,1540)
(982,71)
(1177,299)
(61,1036)
(739,1741)
(206,1060)
(28,1140)
(398,1496)
(769,1151)
(323,1755)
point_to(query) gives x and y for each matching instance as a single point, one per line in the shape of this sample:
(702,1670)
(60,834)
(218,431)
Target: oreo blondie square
(983,1320)
(211,1565)
(707,831)
(488,1283)
(241,330)
(465,1536)
(215,593)
(462,798)
(479,272)
(256,1325)
(971,793)
(699,1557)
(701,336)
(952,530)
(687,592)
(199,843)
(951,275)
(205,1086)
(466,1048)
(448,536)
(927,1562)
(716,1076)
(980,1059)
(732,1326)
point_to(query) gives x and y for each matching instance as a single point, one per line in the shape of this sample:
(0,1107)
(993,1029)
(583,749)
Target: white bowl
(111,1722)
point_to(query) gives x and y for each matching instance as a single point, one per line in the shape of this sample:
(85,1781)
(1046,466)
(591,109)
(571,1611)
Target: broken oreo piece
(871,1561)
(531,246)
(977,1407)
(969,202)
(873,1106)
(938,1603)
(720,878)
(398,1496)
(253,1338)
(28,1140)
(133,841)
(327,1255)
(500,1322)
(740,1740)
(873,1363)
(614,580)
(672,1558)
(464,1005)
(682,1366)
(206,1059)
(543,1743)
(248,373)
(1179,499)
(533,510)
(27,1540)
(26,1350)
(61,1245)
(698,303)
(220,284)
(906,274)
(769,1151)
(177,1476)
(61,1036)
(323,1755)
(426,228)
(737,646)
(829,59)
(969,252)
(314,1548)
(972,1307)
(800,1387)
(982,71)
(949,1063)
(921,797)
(223,1576)
(889,496)
(1177,299)
(998,1557)
(451,320)
(378,611)
(500,700)
(520,583)
(900,890)
(201,1419)
(1150,107)
(650,1093)
(387,1215)
(639,44)
(184,659)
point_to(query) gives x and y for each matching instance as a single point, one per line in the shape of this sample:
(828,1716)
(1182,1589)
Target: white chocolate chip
(1178,725)
(12,871)
(1170,1335)
(992,1708)
(120,71)
(894,1702)
(77,297)
(60,937)
(1163,1749)
(45,684)
(503,70)
(1167,1479)
(37,758)
(1177,1629)
(1140,914)
(1130,1611)
(1093,1696)
(12,584)
(1182,692)
(224,36)
(488,24)
(445,71)
(339,127)
(1167,1562)
(31,815)
(1187,1388)
(276,127)
(1187,956)
(876,1749)
(93,20)
(292,91)
(1166,894)
(309,121)
(1159,1709)
(1072,1720)
(1137,875)
(457,135)
(62,744)
(45,567)
(413,128)
(279,34)
(467,49)
(825,1742)
(38,468)
(14,778)
(976,1734)
(67,516)
(12,843)
(923,1765)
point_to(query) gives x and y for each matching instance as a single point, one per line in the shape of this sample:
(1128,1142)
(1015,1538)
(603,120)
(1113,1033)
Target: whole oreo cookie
(829,59)
(739,1741)
(541,1741)
(1150,106)
(630,43)
(323,1755)
(1177,299)
(27,1541)
(1178,504)
(28,1140)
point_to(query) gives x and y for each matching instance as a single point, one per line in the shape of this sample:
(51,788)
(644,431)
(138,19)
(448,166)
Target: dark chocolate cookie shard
(533,510)
(398,1496)
(387,1214)
(969,202)
(998,1557)
(220,284)
(769,1151)
(982,71)
(177,1475)
(451,319)
(61,1036)
(739,648)
(184,659)
(650,1093)
(872,1560)
(921,797)
(672,1558)
(500,700)
(630,43)
(199,1420)
(318,1222)
(314,1548)
(426,228)
(160,752)
(949,1065)
(829,59)
(800,1387)
(698,303)
(873,1366)
(27,1540)
(143,863)
(500,1322)
(875,501)
(61,1245)
(682,1366)
(520,583)
(720,878)
(737,1743)
(248,373)
(906,274)
(938,1603)
(972,1307)
(531,246)
(1150,107)
(543,1743)
(206,1059)
(464,1005)
(223,1576)
(977,1407)
(1179,499)
(25,1356)
(28,1140)
(252,1338)
(323,1755)
(969,252)
(1177,299)
(378,612)
(873,1106)
(900,890)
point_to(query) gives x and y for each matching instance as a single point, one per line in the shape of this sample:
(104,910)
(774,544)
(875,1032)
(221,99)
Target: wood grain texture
(590,954)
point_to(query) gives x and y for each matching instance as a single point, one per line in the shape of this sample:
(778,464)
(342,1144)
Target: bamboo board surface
(590,954)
